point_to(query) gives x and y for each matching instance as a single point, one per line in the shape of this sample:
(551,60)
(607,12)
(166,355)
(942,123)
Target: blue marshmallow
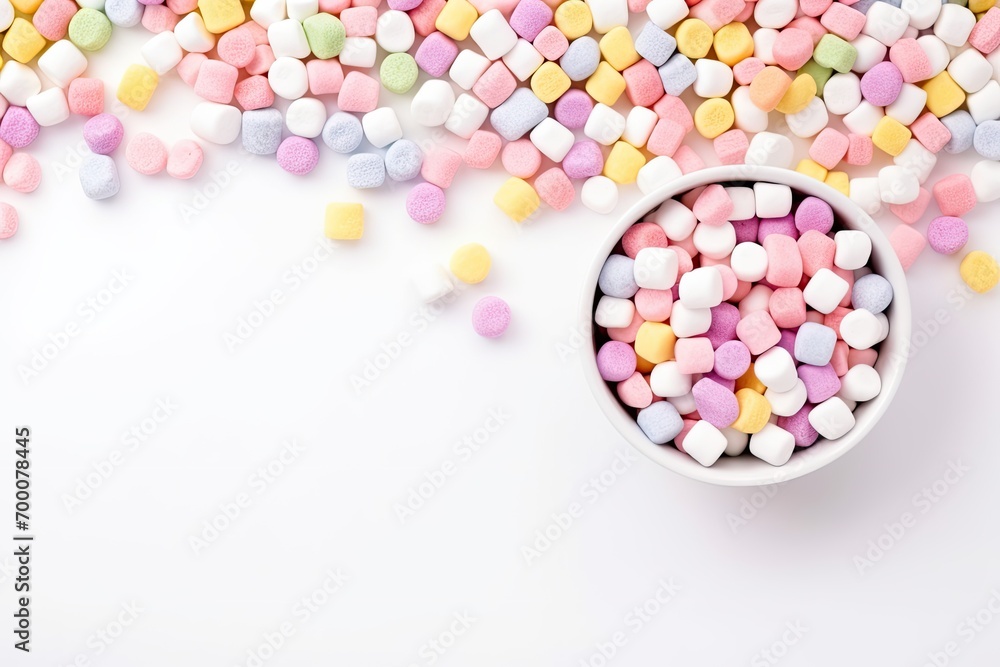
(342,132)
(403,160)
(99,177)
(617,277)
(581,58)
(654,44)
(987,139)
(677,74)
(871,292)
(660,422)
(518,115)
(262,131)
(124,13)
(365,170)
(962,129)
(814,344)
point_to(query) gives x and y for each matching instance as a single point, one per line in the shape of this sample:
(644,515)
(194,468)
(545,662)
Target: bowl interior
(747,470)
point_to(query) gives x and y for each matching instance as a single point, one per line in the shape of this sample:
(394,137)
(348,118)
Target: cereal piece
(344,221)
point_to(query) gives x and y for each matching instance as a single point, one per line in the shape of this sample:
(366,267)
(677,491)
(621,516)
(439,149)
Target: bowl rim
(822,452)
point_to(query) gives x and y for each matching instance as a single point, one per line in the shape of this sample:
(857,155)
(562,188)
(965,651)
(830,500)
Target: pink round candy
(425,203)
(947,234)
(491,317)
(814,213)
(146,154)
(103,133)
(298,155)
(521,159)
(18,127)
(616,361)
(8,220)
(22,172)
(185,159)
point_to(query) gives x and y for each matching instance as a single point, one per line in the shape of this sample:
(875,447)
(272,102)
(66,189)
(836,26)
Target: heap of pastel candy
(741,317)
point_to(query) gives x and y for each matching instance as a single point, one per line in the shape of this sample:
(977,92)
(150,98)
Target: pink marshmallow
(793,47)
(254,92)
(911,59)
(731,147)
(359,92)
(930,132)
(189,66)
(787,307)
(325,76)
(555,189)
(912,212)
(817,251)
(551,43)
(440,166)
(86,96)
(425,15)
(635,392)
(860,150)
(654,305)
(745,70)
(955,195)
(694,355)
(673,108)
(216,81)
(985,37)
(359,21)
(713,206)
(482,150)
(52,18)
(843,21)
(829,147)
(784,263)
(643,85)
(758,332)
(666,138)
(908,244)
(687,159)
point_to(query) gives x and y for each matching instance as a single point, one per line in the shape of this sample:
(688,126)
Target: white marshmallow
(552,139)
(984,105)
(467,68)
(749,261)
(7,14)
(772,444)
(266,12)
(192,35)
(667,381)
(854,249)
(599,194)
(358,52)
(774,13)
(608,14)
(685,404)
(523,59)
(162,52)
(217,123)
(776,369)
(18,82)
(614,312)
(714,241)
(687,322)
(937,53)
(916,159)
(758,298)
(700,287)
(394,31)
(306,116)
(860,383)
(49,107)
(63,62)
(467,116)
(768,149)
(667,13)
(675,219)
(883,321)
(381,126)
(657,172)
(736,441)
(92,4)
(897,185)
(288,78)
(604,125)
(863,119)
(832,418)
(493,35)
(970,70)
(655,268)
(772,199)
(824,291)
(300,10)
(705,443)
(842,93)
(639,125)
(909,104)
(810,121)
(432,103)
(885,23)
(715,79)
(860,329)
(431,282)
(287,38)
(870,53)
(744,203)
(787,403)
(986,180)
(922,13)
(954,24)
(763,45)
(865,193)
(749,117)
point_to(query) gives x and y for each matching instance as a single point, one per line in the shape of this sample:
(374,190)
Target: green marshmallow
(89,29)
(819,74)
(325,34)
(834,52)
(398,72)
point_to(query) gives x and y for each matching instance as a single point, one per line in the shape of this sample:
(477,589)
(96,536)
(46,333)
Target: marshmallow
(687,322)
(467,115)
(861,329)
(714,78)
(552,139)
(897,185)
(523,59)
(787,403)
(288,78)
(162,52)
(358,52)
(394,31)
(599,194)
(860,383)
(655,268)
(701,288)
(608,14)
(467,68)
(493,35)
(810,121)
(287,38)
(772,200)
(656,173)
(18,82)
(749,261)
(49,107)
(63,62)
(614,312)
(842,93)
(433,103)
(776,369)
(266,12)
(825,290)
(705,443)
(381,126)
(832,418)
(772,444)
(768,149)
(604,125)
(192,35)
(885,23)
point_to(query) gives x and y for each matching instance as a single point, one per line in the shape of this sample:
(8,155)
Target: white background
(744,573)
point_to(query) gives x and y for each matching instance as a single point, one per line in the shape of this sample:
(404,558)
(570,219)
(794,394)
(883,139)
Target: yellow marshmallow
(979,271)
(137,86)
(839,181)
(713,117)
(22,41)
(749,380)
(26,6)
(605,85)
(221,15)
(891,136)
(654,342)
(812,169)
(549,82)
(798,96)
(694,38)
(623,163)
(470,263)
(618,49)
(456,19)
(644,367)
(754,411)
(345,221)
(979,6)
(943,94)
(573,19)
(517,199)
(733,43)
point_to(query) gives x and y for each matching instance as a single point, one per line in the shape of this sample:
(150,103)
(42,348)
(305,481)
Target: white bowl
(747,470)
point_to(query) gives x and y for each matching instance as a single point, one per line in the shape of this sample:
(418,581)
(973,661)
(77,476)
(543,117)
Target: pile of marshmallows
(739,317)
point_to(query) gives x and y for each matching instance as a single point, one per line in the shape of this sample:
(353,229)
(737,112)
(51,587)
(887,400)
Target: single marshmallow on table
(493,35)
(18,82)
(162,52)
(599,194)
(605,125)
(432,103)
(217,123)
